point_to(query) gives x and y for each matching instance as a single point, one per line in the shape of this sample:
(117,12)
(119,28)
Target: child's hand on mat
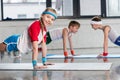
(72,52)
(48,63)
(99,56)
(103,54)
(40,67)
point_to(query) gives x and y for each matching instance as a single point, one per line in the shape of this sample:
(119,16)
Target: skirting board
(57,67)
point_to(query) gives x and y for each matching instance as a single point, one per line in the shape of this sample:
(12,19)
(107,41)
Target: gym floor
(113,74)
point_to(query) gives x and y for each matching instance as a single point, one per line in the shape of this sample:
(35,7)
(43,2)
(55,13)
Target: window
(113,8)
(32,9)
(88,8)
(25,9)
(63,7)
(36,15)
(21,16)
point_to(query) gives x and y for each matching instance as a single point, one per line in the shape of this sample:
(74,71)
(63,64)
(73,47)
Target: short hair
(74,23)
(96,18)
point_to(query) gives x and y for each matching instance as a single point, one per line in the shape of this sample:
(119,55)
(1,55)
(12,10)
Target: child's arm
(105,44)
(65,35)
(35,55)
(71,45)
(44,51)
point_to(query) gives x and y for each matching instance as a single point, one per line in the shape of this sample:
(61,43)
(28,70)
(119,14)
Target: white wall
(0,11)
(85,38)
(92,7)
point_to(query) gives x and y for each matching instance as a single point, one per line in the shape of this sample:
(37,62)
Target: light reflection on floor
(113,74)
(55,75)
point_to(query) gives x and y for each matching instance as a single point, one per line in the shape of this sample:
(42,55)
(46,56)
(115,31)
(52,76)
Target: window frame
(76,12)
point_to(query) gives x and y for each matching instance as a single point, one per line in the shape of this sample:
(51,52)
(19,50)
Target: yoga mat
(56,67)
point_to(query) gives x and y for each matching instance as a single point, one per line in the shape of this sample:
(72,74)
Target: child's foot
(17,54)
(2,55)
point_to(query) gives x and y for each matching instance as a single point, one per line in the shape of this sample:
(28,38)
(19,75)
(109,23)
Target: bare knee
(2,47)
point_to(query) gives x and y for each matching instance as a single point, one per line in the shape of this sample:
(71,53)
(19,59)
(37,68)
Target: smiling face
(74,29)
(48,16)
(47,19)
(74,26)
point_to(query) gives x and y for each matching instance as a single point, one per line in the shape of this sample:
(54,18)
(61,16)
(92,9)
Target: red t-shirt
(34,31)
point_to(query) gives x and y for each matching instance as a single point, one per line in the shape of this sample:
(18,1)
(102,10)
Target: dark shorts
(48,38)
(117,42)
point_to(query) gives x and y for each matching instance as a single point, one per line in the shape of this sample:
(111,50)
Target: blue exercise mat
(56,67)
(54,56)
